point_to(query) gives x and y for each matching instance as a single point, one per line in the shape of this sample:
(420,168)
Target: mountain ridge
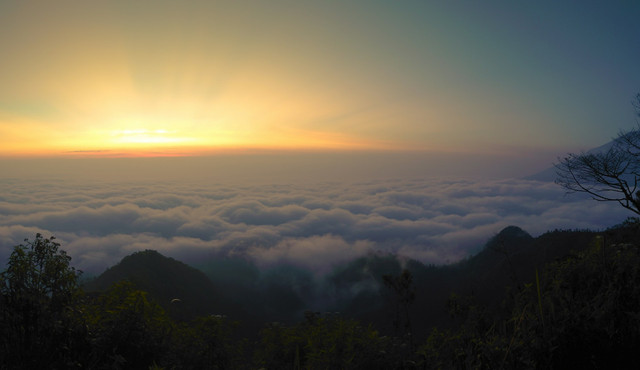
(167,280)
(356,289)
(549,174)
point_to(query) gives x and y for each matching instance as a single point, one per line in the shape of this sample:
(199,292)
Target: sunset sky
(158,78)
(303,132)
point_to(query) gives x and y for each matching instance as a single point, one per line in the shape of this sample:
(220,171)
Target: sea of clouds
(311,225)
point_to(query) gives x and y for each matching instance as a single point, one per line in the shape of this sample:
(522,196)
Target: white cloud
(316,253)
(310,225)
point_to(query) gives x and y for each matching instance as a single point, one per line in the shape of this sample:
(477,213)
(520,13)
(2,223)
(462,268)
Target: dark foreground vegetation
(567,299)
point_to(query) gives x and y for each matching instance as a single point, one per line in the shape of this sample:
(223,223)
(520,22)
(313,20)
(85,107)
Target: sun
(139,133)
(145,136)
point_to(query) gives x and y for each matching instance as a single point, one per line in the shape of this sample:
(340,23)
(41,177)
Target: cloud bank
(313,226)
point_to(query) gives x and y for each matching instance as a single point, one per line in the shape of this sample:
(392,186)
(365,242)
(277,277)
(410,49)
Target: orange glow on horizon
(168,143)
(169,134)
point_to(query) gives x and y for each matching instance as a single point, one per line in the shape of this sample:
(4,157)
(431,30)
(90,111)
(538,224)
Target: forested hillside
(561,300)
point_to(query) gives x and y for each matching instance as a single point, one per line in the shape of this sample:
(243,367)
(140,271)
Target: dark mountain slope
(356,289)
(508,260)
(167,279)
(511,259)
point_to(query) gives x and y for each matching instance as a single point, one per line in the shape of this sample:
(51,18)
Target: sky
(303,132)
(164,78)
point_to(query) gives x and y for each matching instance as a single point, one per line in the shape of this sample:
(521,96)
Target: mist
(312,211)
(271,166)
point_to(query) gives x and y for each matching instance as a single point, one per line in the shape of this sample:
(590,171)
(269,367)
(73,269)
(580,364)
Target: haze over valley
(317,222)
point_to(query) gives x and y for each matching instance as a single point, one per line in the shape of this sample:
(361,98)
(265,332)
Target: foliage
(40,270)
(584,312)
(40,323)
(207,343)
(590,304)
(587,302)
(164,279)
(127,329)
(326,342)
(130,330)
(405,294)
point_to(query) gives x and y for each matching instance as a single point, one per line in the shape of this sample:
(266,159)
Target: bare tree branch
(611,175)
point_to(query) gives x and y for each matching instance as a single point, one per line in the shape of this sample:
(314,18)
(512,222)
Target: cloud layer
(314,226)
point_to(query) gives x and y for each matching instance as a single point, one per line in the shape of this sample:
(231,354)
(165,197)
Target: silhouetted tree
(580,312)
(128,330)
(40,326)
(208,342)
(610,175)
(326,342)
(405,293)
